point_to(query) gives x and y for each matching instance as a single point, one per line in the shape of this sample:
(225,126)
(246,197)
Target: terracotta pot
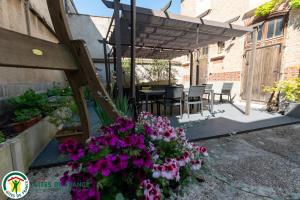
(75,133)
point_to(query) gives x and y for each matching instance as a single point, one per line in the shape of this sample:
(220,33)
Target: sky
(96,7)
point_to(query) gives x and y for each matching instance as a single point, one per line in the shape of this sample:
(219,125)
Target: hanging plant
(270,6)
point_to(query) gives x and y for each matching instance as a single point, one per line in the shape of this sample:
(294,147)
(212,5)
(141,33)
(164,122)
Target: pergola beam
(18,50)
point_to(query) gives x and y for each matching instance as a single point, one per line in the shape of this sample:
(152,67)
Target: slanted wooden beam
(232,20)
(18,50)
(167,6)
(251,72)
(204,14)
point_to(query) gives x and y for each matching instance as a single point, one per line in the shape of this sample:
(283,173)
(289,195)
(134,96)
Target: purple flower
(65,179)
(118,163)
(92,168)
(108,129)
(74,165)
(104,165)
(138,162)
(93,146)
(140,142)
(69,146)
(148,130)
(79,153)
(123,124)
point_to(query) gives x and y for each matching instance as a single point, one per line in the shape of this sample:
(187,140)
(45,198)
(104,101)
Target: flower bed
(143,160)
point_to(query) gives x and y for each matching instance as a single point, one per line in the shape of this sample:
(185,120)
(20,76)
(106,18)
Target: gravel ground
(259,165)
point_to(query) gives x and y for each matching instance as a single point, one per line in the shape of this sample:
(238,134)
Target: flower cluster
(132,159)
(151,191)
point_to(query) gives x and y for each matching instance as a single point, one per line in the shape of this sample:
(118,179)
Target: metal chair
(208,87)
(173,97)
(226,90)
(194,97)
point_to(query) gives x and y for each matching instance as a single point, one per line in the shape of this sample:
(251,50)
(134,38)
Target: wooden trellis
(71,56)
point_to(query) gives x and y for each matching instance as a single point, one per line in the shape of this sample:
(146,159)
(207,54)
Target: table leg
(212,102)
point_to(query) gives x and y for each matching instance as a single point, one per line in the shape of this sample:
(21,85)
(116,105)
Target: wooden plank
(78,95)
(16,50)
(59,20)
(96,87)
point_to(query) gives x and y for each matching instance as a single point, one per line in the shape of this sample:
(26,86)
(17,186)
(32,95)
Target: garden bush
(144,160)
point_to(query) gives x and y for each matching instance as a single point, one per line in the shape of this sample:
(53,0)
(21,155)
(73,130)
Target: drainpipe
(27,15)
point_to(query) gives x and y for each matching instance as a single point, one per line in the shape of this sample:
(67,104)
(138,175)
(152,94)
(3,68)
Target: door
(266,71)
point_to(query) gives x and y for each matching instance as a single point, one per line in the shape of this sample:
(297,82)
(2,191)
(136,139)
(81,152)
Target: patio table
(148,93)
(211,101)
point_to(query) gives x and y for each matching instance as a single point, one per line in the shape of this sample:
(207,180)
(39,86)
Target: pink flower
(202,150)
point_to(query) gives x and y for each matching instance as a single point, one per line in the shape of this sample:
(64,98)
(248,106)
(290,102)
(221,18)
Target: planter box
(293,110)
(18,153)
(6,163)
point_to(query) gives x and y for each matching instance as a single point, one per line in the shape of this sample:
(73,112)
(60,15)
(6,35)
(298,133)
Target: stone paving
(259,165)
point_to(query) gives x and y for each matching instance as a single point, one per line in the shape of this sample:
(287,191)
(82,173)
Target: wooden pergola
(159,34)
(154,34)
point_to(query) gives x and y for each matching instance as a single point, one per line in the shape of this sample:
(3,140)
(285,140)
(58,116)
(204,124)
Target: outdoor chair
(207,88)
(173,97)
(194,97)
(226,90)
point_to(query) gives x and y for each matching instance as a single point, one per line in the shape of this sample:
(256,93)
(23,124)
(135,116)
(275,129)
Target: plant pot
(75,133)
(293,110)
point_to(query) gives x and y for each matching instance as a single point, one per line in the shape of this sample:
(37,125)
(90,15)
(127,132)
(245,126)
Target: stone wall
(13,81)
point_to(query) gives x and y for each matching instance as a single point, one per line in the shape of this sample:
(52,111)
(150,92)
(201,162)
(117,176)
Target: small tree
(271,6)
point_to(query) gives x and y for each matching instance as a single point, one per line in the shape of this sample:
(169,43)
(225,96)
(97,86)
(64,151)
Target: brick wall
(292,72)
(225,76)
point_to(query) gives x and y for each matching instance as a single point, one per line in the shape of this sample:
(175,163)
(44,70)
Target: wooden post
(251,71)
(119,72)
(191,68)
(27,15)
(133,52)
(170,68)
(106,63)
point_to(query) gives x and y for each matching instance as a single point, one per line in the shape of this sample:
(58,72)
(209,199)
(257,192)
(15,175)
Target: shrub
(270,6)
(143,160)
(22,115)
(289,89)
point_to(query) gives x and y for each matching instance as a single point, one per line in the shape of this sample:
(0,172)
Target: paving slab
(228,119)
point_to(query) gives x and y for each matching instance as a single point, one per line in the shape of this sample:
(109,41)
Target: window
(279,27)
(260,32)
(271,25)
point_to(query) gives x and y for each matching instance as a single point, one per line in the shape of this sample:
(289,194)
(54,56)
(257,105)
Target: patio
(259,165)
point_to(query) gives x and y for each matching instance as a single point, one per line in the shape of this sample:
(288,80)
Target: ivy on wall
(270,6)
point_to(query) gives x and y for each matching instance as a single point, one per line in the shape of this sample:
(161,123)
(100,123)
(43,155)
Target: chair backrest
(196,91)
(227,87)
(174,92)
(208,86)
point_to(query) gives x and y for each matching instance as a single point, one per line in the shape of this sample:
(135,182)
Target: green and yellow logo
(15,185)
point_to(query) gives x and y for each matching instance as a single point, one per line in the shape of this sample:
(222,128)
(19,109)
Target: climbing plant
(270,6)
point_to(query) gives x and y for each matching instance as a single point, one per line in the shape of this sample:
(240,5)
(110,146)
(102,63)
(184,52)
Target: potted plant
(29,109)
(148,159)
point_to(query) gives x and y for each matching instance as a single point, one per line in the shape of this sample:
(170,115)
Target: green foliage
(290,89)
(2,137)
(295,3)
(56,90)
(30,104)
(122,105)
(103,116)
(22,115)
(270,6)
